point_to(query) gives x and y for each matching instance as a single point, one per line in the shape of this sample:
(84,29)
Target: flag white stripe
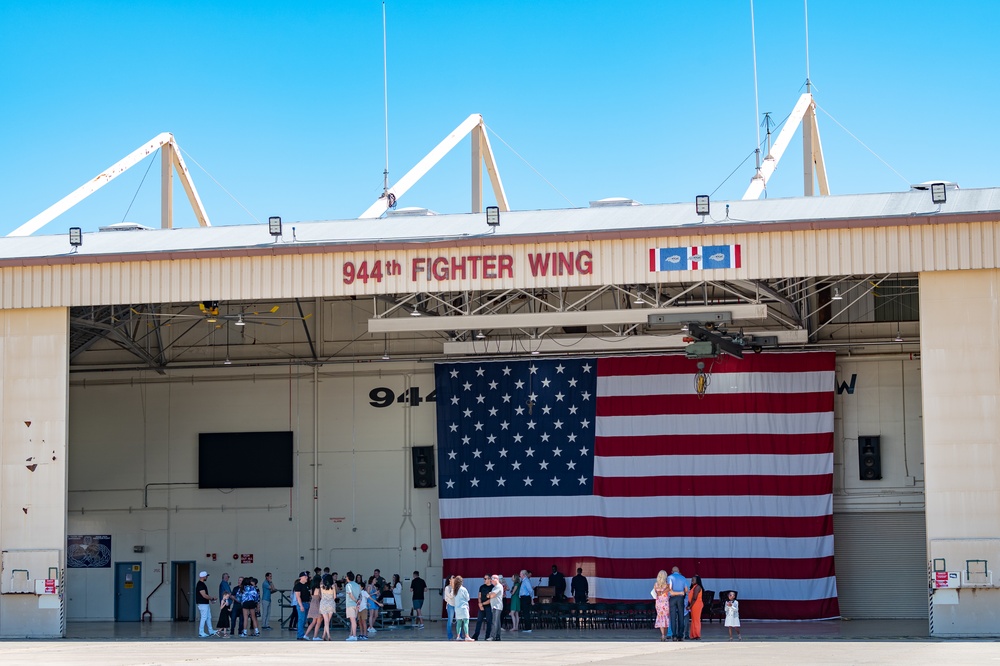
(786,589)
(714,465)
(640,548)
(722,382)
(714,424)
(637,507)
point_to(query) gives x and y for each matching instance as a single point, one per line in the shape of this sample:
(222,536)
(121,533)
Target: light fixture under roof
(227,361)
(415,313)
(240,322)
(480,335)
(836,295)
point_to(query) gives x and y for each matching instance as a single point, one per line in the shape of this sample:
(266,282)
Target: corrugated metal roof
(538,224)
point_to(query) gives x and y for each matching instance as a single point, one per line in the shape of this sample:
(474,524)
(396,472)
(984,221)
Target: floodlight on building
(701,204)
(493,216)
(274,227)
(939,195)
(75,237)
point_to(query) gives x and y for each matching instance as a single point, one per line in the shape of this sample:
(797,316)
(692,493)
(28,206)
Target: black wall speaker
(423,466)
(870,457)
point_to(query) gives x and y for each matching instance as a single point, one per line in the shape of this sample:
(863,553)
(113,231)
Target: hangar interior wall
(133,471)
(133,475)
(960,326)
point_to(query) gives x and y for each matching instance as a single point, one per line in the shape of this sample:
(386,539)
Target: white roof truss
(813,165)
(481,152)
(170,159)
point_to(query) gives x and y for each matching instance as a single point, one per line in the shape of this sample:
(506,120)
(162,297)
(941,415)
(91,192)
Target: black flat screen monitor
(245,460)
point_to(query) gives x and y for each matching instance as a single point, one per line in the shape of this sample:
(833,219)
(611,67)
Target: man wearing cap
(201,595)
(300,594)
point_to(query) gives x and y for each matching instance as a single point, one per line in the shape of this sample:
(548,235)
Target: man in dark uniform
(557,581)
(580,588)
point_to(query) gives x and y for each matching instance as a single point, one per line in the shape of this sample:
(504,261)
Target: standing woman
(461,609)
(695,605)
(660,591)
(327,603)
(515,602)
(397,593)
(449,602)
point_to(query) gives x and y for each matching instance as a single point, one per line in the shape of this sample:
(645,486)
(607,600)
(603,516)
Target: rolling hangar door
(881,564)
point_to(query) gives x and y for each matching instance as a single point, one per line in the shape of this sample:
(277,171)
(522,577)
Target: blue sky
(282,102)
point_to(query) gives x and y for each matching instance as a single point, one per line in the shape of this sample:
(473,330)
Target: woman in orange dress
(662,609)
(695,604)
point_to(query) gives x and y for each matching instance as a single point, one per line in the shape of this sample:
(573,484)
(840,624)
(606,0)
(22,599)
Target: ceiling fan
(210,313)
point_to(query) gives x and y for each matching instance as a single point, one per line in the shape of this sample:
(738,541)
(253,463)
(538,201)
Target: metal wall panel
(881,561)
(766,254)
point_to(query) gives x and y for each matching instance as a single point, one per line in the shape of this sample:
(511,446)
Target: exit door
(128,591)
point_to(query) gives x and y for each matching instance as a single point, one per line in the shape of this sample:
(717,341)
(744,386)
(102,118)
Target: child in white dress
(733,616)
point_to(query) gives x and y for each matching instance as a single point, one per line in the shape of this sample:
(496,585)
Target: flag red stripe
(652,259)
(681,445)
(738,263)
(721,403)
(710,486)
(769,362)
(767,609)
(625,528)
(722,568)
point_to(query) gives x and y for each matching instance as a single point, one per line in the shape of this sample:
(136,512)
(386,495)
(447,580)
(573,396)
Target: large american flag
(619,466)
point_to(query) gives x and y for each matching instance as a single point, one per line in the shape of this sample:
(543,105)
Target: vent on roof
(948,185)
(125,226)
(410,211)
(614,201)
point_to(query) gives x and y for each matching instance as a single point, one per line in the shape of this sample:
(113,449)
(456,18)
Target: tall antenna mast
(385,93)
(756,98)
(808,82)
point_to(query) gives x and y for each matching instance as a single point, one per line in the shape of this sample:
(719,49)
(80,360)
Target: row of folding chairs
(558,615)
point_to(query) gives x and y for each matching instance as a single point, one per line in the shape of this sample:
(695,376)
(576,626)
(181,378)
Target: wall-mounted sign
(246,558)
(88,551)
(695,258)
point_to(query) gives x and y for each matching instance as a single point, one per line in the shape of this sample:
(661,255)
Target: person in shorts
(417,587)
(352,594)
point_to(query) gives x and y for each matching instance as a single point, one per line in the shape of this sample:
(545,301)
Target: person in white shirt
(461,610)
(449,602)
(496,603)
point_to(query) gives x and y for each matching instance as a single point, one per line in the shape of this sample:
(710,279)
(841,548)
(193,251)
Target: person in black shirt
(557,581)
(203,600)
(485,612)
(580,588)
(300,596)
(417,587)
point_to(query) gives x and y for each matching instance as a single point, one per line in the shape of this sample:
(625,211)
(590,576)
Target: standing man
(485,614)
(300,597)
(677,591)
(417,587)
(496,605)
(527,592)
(558,581)
(580,588)
(265,592)
(201,594)
(224,586)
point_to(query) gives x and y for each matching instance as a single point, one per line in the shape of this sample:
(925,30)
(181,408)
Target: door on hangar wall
(182,582)
(881,560)
(128,591)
